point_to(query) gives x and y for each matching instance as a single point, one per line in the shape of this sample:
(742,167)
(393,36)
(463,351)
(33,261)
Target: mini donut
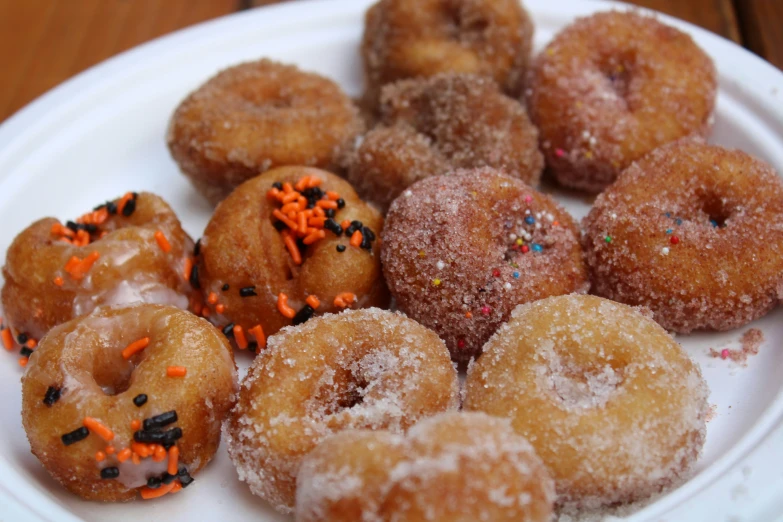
(460,251)
(612,87)
(415,38)
(361,369)
(128,400)
(450,467)
(258,274)
(126,250)
(256,116)
(432,125)
(613,406)
(694,232)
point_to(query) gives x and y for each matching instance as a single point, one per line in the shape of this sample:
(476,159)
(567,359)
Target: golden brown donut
(612,87)
(613,406)
(256,116)
(248,275)
(450,467)
(414,38)
(694,232)
(460,251)
(130,249)
(85,390)
(361,369)
(432,125)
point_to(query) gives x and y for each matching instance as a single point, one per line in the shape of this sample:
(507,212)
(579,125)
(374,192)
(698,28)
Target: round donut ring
(613,406)
(612,87)
(91,381)
(694,232)
(256,116)
(368,369)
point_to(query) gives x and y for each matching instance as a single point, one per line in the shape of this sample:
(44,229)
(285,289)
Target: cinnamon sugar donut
(126,250)
(432,125)
(414,38)
(694,232)
(613,406)
(256,116)
(613,86)
(461,251)
(361,369)
(284,246)
(450,467)
(128,400)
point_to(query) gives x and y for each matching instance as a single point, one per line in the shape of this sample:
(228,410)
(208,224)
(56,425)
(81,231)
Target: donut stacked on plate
(350,411)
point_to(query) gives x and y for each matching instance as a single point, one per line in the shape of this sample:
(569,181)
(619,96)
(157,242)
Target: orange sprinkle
(135,459)
(173,460)
(163,243)
(140,449)
(318,211)
(287,188)
(197,307)
(220,308)
(301,224)
(290,244)
(176,371)
(188,268)
(82,238)
(177,487)
(290,207)
(59,230)
(314,182)
(149,493)
(66,240)
(325,203)
(58,281)
(345,224)
(316,222)
(110,450)
(282,217)
(72,263)
(313,301)
(135,425)
(100,456)
(302,183)
(23,361)
(469,315)
(555,223)
(212,298)
(99,429)
(8,339)
(241,340)
(291,197)
(205,312)
(273,193)
(135,346)
(123,201)
(282,306)
(356,239)
(159,454)
(124,454)
(334,196)
(31,343)
(344,299)
(78,271)
(258,332)
(313,237)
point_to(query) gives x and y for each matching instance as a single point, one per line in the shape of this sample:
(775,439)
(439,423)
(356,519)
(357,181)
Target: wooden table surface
(44,42)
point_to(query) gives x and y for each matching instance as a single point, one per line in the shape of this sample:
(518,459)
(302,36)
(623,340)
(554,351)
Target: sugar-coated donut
(450,467)
(461,251)
(414,38)
(613,406)
(128,400)
(256,116)
(368,369)
(126,250)
(432,125)
(694,232)
(613,86)
(291,243)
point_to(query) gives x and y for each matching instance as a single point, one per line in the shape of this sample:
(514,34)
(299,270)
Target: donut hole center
(715,210)
(579,385)
(464,25)
(114,378)
(617,71)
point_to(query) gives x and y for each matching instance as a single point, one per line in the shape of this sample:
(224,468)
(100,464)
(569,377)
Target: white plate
(102,133)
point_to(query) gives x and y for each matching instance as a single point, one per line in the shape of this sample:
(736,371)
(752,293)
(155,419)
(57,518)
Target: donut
(414,38)
(128,400)
(256,116)
(360,369)
(612,405)
(612,87)
(432,125)
(460,251)
(126,250)
(694,232)
(450,467)
(284,246)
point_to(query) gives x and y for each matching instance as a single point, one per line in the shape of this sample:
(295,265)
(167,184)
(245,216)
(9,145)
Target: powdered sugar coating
(367,368)
(255,116)
(499,243)
(632,419)
(613,86)
(432,125)
(453,466)
(696,235)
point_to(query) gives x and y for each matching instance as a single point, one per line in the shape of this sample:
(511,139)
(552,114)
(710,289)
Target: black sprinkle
(130,207)
(194,282)
(111,206)
(167,479)
(182,471)
(228,330)
(248,291)
(350,230)
(279,226)
(366,243)
(303,315)
(158,421)
(110,473)
(186,481)
(140,400)
(329,212)
(22,338)
(369,234)
(341,203)
(155,437)
(331,225)
(197,247)
(252,346)
(25,351)
(52,395)
(135,195)
(173,435)
(153,482)
(277,185)
(75,436)
(225,287)
(341,248)
(73,226)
